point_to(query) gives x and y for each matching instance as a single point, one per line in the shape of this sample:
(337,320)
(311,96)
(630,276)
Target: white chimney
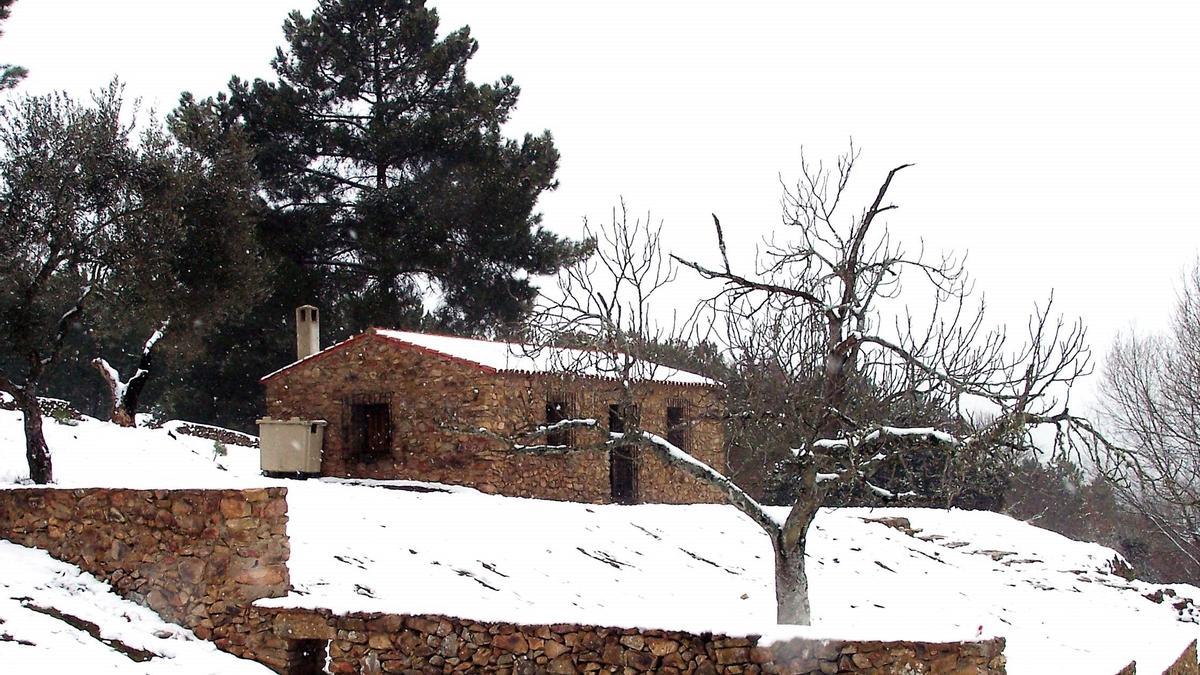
(308,331)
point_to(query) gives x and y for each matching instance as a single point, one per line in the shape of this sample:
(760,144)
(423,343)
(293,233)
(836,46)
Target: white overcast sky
(1055,142)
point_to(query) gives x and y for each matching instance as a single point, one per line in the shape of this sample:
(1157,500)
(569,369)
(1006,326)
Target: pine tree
(389,175)
(388,181)
(9,75)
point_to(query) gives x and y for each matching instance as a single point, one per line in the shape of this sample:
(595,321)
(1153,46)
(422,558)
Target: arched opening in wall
(307,657)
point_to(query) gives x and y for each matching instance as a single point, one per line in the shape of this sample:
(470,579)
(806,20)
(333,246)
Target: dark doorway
(621,474)
(306,657)
(622,471)
(677,426)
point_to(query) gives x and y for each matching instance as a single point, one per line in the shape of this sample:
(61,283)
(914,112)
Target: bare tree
(814,311)
(600,320)
(603,305)
(1152,405)
(877,365)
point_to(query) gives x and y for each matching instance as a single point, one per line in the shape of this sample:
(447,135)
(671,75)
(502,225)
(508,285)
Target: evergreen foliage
(388,171)
(389,181)
(200,269)
(9,75)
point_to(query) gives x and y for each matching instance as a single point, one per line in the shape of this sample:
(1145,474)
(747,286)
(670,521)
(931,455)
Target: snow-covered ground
(415,548)
(90,453)
(708,568)
(55,618)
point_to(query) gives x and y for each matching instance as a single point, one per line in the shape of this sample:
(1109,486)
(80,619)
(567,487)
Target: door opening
(622,468)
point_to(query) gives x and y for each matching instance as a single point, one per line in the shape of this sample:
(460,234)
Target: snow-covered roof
(511,357)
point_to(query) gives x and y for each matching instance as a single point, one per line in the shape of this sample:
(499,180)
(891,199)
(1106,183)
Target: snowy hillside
(56,619)
(412,548)
(708,568)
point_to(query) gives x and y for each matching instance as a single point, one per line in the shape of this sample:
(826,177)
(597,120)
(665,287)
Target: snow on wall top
(509,357)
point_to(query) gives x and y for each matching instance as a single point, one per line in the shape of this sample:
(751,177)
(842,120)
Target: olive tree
(87,204)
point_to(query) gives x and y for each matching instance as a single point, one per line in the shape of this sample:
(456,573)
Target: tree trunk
(37,453)
(122,415)
(125,407)
(791,588)
(124,396)
(122,408)
(791,577)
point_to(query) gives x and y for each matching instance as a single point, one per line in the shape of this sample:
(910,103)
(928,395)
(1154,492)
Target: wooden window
(620,417)
(677,424)
(369,428)
(558,408)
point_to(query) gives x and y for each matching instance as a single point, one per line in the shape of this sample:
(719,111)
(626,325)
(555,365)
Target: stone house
(396,406)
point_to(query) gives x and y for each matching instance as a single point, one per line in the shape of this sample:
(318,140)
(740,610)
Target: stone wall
(197,557)
(1186,664)
(428,394)
(388,643)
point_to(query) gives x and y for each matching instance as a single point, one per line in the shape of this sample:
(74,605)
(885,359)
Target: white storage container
(290,446)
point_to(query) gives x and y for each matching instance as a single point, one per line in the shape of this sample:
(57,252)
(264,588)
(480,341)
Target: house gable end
(340,347)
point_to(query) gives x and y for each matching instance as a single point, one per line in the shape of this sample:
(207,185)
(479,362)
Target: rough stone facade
(389,643)
(197,557)
(431,395)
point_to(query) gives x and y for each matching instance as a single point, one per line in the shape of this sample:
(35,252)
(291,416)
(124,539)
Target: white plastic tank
(290,446)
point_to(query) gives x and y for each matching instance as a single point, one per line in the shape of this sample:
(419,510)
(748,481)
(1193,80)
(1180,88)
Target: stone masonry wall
(1186,664)
(197,557)
(388,643)
(427,394)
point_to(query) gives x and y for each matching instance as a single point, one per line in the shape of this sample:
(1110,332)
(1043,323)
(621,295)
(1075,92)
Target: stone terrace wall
(197,557)
(373,643)
(1186,664)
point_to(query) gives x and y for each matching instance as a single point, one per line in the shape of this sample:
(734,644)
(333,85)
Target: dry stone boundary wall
(197,557)
(389,643)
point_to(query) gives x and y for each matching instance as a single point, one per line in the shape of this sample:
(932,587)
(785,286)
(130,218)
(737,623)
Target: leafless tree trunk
(123,395)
